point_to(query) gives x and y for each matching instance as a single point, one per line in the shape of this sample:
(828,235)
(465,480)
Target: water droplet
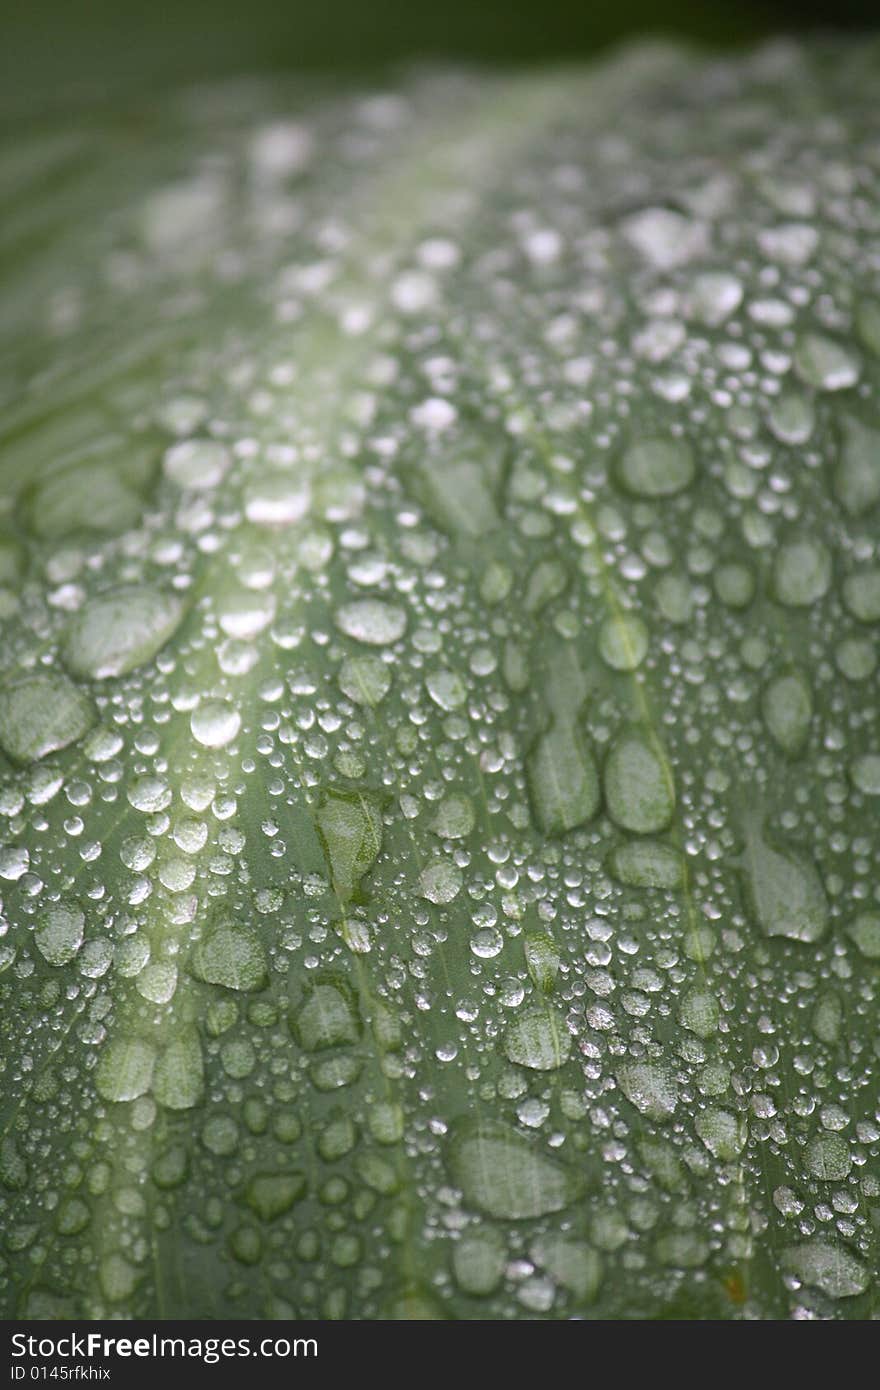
(365,680)
(857,470)
(125,1069)
(802,572)
(650,1087)
(865,773)
(440,882)
(647,864)
(270,1195)
(828,1158)
(563,780)
(349,826)
(277,499)
(639,792)
(783,890)
(665,238)
(454,818)
(538,1039)
(59,933)
(861,595)
(787,709)
(713,297)
(119,631)
(865,932)
(214,723)
(446,689)
(792,417)
(734,585)
(41,714)
(699,1013)
(824,363)
(178,1078)
(827,1266)
(371,621)
(478,1259)
(231,955)
(623,642)
(327,1018)
(506,1176)
(656,467)
(542,961)
(197,463)
(723,1133)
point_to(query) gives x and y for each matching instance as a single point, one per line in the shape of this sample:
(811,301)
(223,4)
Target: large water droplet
(783,890)
(538,1039)
(114,633)
(125,1069)
(41,714)
(371,621)
(59,933)
(639,792)
(349,825)
(563,780)
(506,1176)
(231,955)
(827,1266)
(214,723)
(787,709)
(802,572)
(656,467)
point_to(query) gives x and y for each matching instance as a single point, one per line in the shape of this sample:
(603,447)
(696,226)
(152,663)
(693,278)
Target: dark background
(49,49)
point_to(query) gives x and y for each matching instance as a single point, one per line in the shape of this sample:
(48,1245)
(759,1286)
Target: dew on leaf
(861,595)
(647,864)
(623,642)
(196,463)
(440,882)
(856,472)
(825,363)
(42,714)
(828,1266)
(542,961)
(723,1133)
(59,933)
(478,1259)
(828,1158)
(656,467)
(178,1077)
(538,1039)
(119,631)
(454,818)
(230,954)
(639,793)
(371,621)
(214,723)
(651,1087)
(270,1195)
(787,710)
(507,1176)
(349,826)
(802,572)
(563,780)
(125,1069)
(865,932)
(327,1018)
(783,889)
(365,680)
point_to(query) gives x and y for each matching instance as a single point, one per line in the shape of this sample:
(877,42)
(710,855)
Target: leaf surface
(439,583)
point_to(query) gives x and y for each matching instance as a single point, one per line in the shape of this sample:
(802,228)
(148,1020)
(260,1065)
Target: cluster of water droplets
(439,587)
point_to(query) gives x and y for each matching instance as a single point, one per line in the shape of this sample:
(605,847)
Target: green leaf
(439,599)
